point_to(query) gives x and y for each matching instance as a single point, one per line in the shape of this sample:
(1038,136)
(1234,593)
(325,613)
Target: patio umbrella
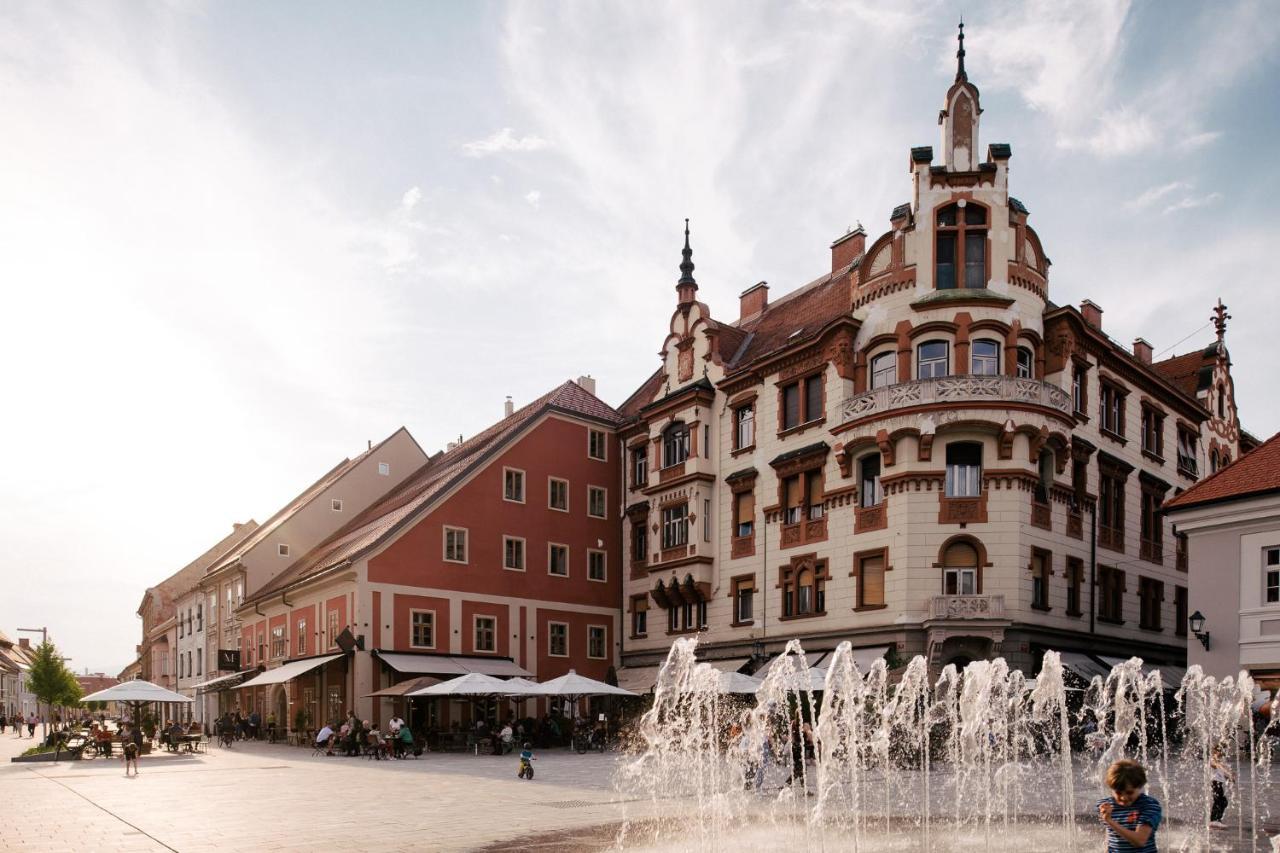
(796,681)
(398,691)
(573,687)
(736,682)
(136,691)
(473,684)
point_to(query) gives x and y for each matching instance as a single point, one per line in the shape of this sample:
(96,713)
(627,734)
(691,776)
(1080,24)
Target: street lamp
(1196,622)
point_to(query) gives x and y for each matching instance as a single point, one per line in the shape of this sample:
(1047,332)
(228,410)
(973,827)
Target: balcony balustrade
(955,389)
(967,607)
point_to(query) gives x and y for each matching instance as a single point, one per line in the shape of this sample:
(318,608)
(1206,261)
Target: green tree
(51,682)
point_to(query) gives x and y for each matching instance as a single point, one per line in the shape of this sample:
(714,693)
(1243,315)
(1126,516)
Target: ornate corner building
(918,450)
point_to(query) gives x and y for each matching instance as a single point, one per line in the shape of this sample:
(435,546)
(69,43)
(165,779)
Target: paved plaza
(261,796)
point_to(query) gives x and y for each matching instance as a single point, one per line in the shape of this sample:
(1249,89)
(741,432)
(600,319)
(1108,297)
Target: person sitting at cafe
(373,738)
(174,735)
(326,738)
(104,741)
(404,741)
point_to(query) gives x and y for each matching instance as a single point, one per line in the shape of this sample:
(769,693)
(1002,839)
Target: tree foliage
(50,680)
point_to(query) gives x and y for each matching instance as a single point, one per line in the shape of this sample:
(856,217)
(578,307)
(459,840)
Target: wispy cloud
(1198,140)
(501,142)
(1192,202)
(533,197)
(1154,194)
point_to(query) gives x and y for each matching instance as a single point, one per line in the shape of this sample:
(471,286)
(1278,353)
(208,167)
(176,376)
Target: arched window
(960,569)
(985,358)
(1045,481)
(1026,363)
(961,249)
(932,360)
(964,470)
(884,369)
(675,444)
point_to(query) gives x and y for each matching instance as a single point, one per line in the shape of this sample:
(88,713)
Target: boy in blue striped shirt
(1131,817)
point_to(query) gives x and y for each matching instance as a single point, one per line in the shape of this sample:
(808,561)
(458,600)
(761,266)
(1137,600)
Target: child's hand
(1104,812)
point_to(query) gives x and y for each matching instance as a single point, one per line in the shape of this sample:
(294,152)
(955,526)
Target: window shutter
(872,580)
(793,493)
(815,488)
(746,506)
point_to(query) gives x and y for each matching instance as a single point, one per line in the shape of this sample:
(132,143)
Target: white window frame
(604,444)
(475,633)
(550,636)
(567,553)
(524,479)
(384,469)
(638,616)
(604,564)
(524,553)
(744,426)
(993,360)
(875,375)
(335,504)
(604,641)
(282,638)
(444,544)
(604,501)
(282,549)
(413,612)
(550,505)
(1269,568)
(331,623)
(740,594)
(302,636)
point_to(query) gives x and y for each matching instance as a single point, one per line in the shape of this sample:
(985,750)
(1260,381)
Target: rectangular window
(333,628)
(181,624)
(639,615)
(933,360)
(675,526)
(639,468)
(1041,570)
(1110,510)
(706,521)
(200,617)
(791,406)
(422,629)
(1180,611)
(744,514)
(1111,399)
(744,596)
(240,592)
(455,545)
(1111,597)
(870,492)
(213,608)
(1152,432)
(1079,389)
(639,541)
(262,647)
(279,647)
(870,580)
(596,500)
(884,370)
(675,445)
(384,469)
(802,402)
(282,550)
(513,553)
(1075,581)
(975,260)
(596,642)
(336,505)
(557,639)
(558,494)
(803,497)
(964,470)
(984,356)
(301,637)
(1150,597)
(1152,528)
(486,634)
(1187,451)
(1026,364)
(1271,576)
(706,441)
(946,262)
(744,427)
(199,661)
(596,570)
(596,447)
(558,560)
(513,485)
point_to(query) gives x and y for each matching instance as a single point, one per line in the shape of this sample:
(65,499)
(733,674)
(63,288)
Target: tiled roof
(434,478)
(807,311)
(1255,473)
(643,396)
(1191,372)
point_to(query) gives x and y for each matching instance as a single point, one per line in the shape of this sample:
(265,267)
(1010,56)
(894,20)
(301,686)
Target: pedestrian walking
(132,746)
(31,724)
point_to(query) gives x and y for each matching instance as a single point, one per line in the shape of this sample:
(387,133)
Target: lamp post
(1196,623)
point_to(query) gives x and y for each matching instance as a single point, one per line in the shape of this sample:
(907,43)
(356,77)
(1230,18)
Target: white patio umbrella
(574,686)
(817,680)
(737,682)
(475,684)
(136,691)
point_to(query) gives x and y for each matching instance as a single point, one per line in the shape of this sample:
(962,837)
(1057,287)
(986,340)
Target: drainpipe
(764,578)
(1093,564)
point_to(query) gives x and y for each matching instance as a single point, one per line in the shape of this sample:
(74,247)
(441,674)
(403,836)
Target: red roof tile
(1255,473)
(431,480)
(1183,371)
(806,311)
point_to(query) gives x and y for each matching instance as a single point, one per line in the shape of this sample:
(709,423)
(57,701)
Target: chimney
(1142,350)
(848,247)
(370,440)
(753,300)
(586,383)
(24,643)
(1092,314)
(508,408)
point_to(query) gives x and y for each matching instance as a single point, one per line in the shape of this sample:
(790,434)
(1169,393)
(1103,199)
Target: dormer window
(961,247)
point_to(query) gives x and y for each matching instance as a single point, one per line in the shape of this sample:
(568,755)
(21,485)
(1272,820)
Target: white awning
(288,671)
(223,682)
(449,665)
(1170,676)
(731,665)
(1084,666)
(811,658)
(866,657)
(638,679)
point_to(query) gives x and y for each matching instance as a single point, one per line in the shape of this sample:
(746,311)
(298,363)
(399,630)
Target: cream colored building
(916,450)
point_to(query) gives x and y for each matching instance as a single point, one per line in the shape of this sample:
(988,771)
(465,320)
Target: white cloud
(1192,202)
(533,197)
(410,199)
(502,141)
(1198,140)
(1154,194)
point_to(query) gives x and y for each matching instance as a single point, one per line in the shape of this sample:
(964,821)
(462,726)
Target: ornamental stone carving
(956,389)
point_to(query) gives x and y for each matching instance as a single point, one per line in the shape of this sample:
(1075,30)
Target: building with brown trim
(499,555)
(918,451)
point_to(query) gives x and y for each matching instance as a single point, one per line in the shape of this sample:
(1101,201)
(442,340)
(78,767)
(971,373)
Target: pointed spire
(961,76)
(1220,318)
(686,265)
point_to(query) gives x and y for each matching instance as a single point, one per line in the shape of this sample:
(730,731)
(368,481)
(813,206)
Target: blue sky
(237,240)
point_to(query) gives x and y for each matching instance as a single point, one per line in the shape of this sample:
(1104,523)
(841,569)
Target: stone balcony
(967,607)
(955,389)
